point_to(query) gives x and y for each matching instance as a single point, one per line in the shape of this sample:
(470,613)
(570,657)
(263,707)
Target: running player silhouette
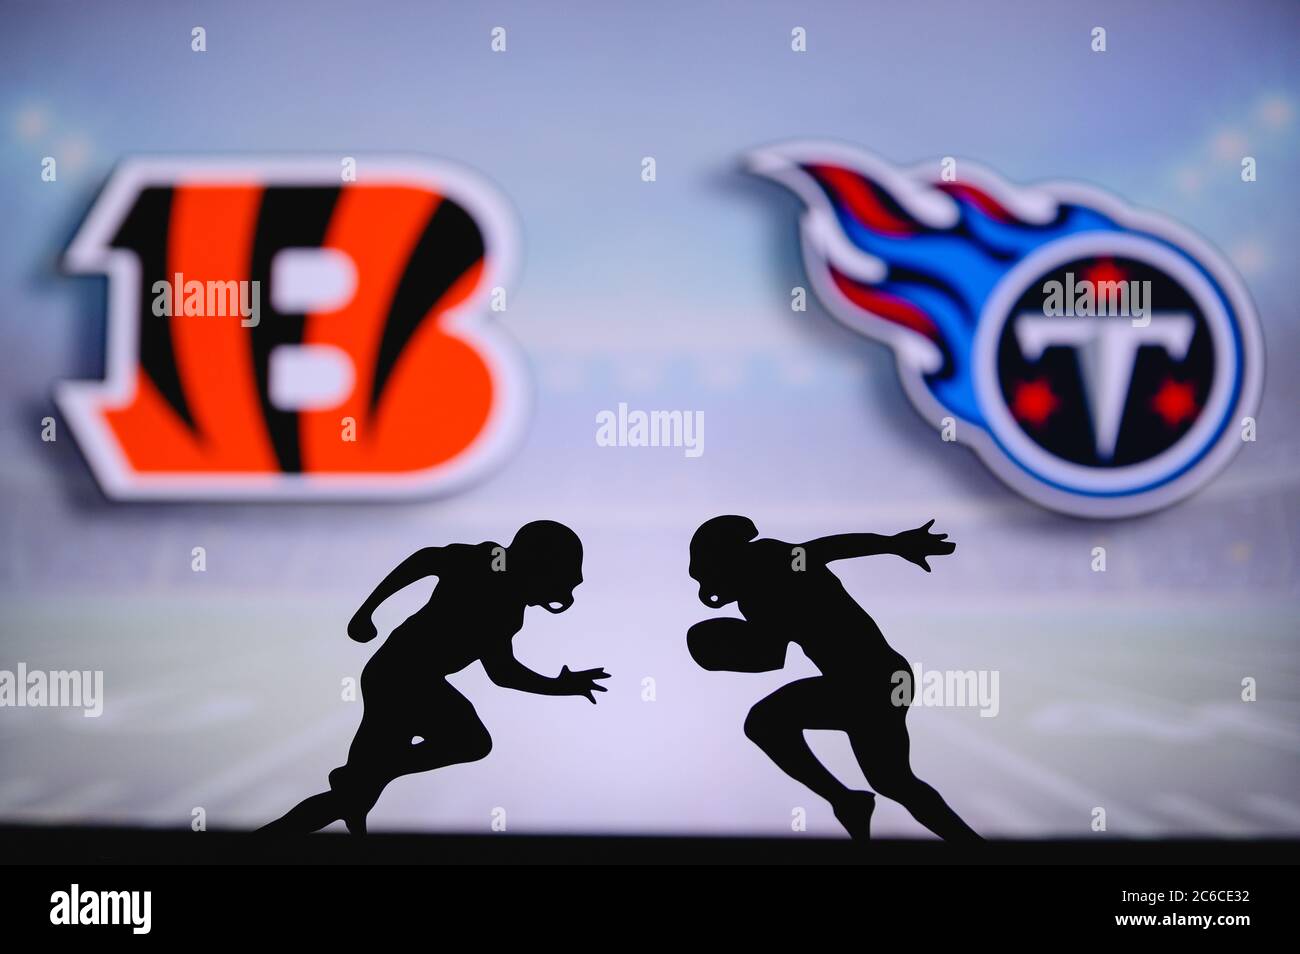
(787,593)
(476,609)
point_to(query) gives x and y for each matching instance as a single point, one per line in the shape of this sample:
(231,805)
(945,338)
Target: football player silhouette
(787,593)
(476,609)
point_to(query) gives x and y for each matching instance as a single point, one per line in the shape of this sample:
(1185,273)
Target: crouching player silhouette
(787,593)
(414,719)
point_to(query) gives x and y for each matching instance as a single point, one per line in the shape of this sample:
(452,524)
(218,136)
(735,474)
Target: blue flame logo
(931,259)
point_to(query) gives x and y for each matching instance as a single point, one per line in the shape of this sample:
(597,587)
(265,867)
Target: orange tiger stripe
(211,239)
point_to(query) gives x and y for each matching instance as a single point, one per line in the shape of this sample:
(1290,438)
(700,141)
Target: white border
(82,402)
(916,356)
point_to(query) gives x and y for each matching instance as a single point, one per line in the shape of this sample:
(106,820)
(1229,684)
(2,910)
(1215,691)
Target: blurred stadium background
(1118,690)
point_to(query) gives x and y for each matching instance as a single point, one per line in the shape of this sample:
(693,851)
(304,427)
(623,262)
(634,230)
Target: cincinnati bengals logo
(370,370)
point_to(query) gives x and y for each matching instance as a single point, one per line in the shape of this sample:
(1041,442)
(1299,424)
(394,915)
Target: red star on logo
(1105,271)
(1034,402)
(1175,402)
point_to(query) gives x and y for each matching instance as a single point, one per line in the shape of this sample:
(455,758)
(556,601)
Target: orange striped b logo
(278,332)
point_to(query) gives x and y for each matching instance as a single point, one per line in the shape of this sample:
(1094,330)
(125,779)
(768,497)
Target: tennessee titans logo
(1098,358)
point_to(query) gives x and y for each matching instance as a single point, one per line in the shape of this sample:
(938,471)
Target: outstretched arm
(507,671)
(912,545)
(417,566)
